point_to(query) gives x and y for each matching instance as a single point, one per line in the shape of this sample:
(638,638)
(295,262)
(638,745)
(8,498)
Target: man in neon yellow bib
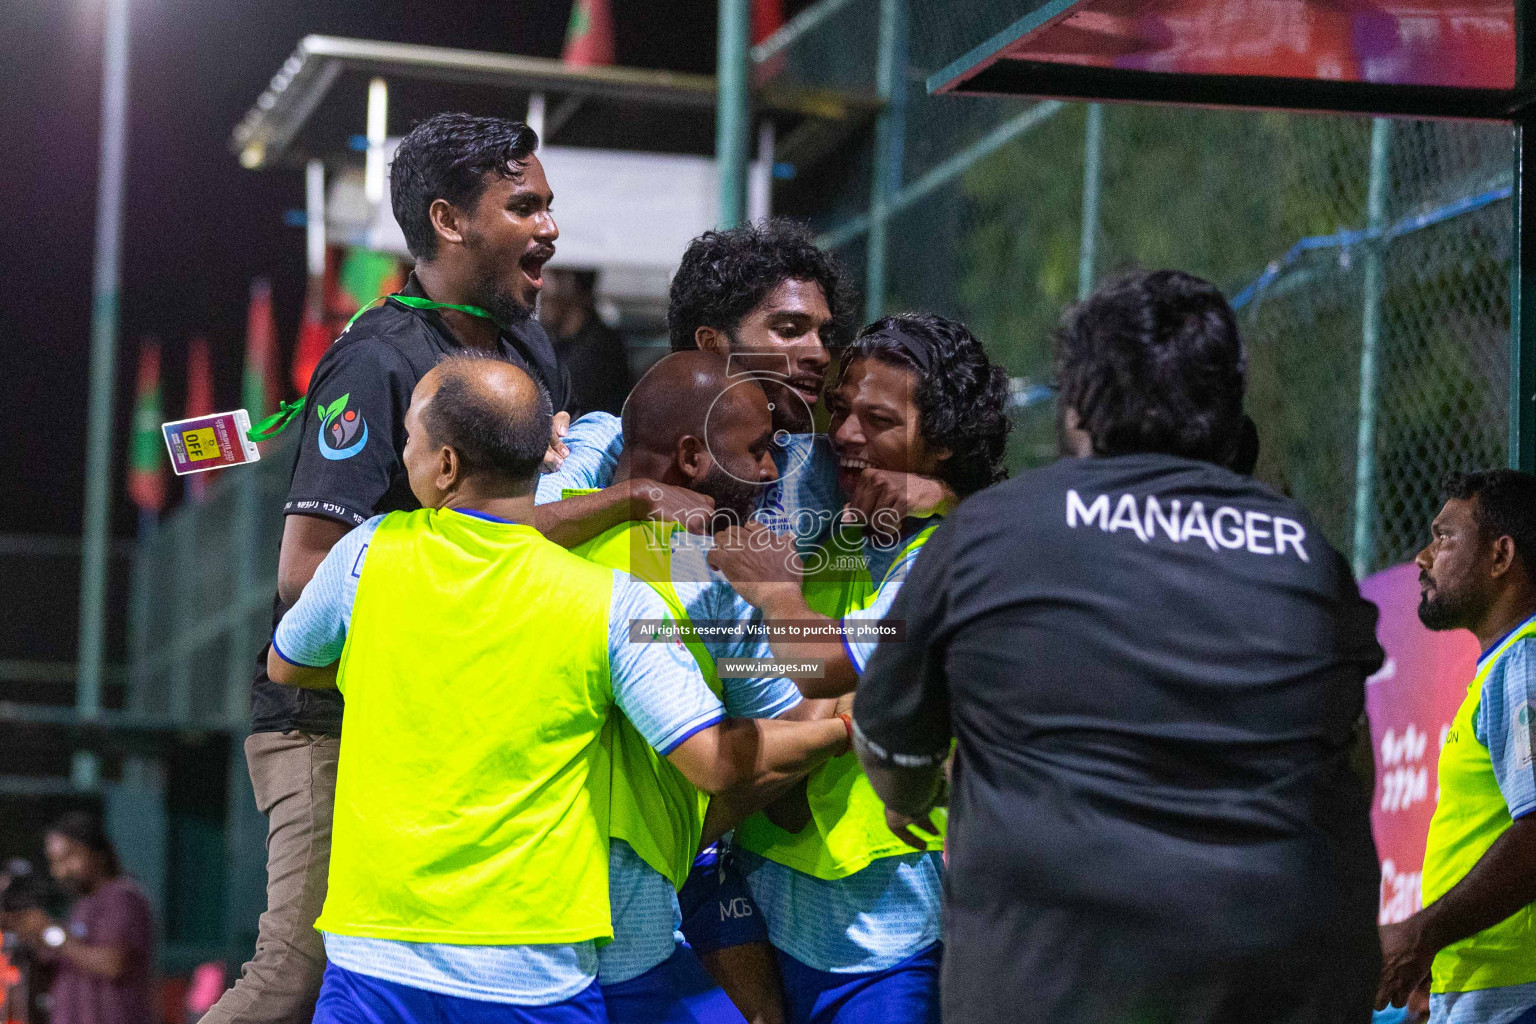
(1475,939)
(481,663)
(852,905)
(688,423)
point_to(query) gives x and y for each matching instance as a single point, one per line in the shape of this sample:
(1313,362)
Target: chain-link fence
(203,584)
(1369,260)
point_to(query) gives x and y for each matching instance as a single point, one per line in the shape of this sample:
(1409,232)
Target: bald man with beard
(689,424)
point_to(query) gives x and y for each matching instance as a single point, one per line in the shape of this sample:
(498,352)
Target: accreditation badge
(210,442)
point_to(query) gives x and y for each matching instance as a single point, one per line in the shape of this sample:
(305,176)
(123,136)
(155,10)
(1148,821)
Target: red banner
(1411,702)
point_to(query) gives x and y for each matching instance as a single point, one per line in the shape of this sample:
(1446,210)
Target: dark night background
(198,227)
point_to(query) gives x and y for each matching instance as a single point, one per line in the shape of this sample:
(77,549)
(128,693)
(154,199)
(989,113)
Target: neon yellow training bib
(477,684)
(652,806)
(1472,814)
(847,831)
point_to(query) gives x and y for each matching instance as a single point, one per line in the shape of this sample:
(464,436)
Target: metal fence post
(731,114)
(1522,328)
(890,139)
(1093,151)
(1370,337)
(242,638)
(185,573)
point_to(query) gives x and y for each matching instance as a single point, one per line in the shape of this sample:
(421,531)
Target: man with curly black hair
(1154,667)
(765,293)
(854,917)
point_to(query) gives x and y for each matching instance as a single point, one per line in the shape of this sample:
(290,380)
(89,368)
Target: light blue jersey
(870,921)
(658,687)
(804,500)
(1506,724)
(646,915)
(892,577)
(874,918)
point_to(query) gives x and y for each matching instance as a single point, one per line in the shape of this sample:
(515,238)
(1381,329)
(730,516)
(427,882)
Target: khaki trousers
(294,777)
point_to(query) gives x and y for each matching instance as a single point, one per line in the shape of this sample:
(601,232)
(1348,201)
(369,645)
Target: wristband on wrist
(847,724)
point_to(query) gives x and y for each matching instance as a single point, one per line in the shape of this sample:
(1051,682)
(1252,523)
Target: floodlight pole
(732,117)
(96,525)
(1364,549)
(1522,311)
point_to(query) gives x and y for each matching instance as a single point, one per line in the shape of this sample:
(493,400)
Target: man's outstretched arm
(1500,883)
(757,752)
(307,644)
(577,519)
(766,570)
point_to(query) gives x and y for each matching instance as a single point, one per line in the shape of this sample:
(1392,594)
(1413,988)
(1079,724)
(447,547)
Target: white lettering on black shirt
(1224,528)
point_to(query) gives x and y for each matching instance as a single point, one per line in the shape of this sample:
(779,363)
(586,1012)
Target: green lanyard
(286,411)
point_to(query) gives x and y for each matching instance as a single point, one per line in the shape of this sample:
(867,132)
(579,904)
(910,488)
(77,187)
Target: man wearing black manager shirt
(1154,668)
(474,205)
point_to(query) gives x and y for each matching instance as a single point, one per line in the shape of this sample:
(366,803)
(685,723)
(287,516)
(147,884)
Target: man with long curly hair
(852,907)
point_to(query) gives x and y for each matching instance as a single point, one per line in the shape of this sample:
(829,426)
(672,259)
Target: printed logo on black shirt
(343,431)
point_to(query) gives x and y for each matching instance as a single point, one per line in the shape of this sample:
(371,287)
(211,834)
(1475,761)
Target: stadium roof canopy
(1396,58)
(313,106)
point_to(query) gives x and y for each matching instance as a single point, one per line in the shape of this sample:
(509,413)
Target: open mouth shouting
(532,264)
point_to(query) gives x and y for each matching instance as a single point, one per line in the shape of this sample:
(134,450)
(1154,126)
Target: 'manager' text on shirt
(1225,527)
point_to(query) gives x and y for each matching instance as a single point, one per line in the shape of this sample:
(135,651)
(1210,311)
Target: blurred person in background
(1154,667)
(1474,942)
(592,351)
(23,980)
(103,953)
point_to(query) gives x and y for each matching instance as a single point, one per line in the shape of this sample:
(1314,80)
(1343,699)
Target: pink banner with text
(1411,702)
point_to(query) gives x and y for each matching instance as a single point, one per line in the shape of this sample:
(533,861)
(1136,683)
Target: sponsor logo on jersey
(343,431)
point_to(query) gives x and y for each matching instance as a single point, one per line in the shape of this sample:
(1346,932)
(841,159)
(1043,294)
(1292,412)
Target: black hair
(725,274)
(488,436)
(961,396)
(1506,507)
(88,830)
(1152,362)
(448,156)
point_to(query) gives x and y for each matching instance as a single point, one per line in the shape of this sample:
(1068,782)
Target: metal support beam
(890,139)
(96,530)
(1093,152)
(1364,551)
(1522,292)
(732,117)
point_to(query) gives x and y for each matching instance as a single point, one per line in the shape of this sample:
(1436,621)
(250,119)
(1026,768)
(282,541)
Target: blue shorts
(347,997)
(907,993)
(678,991)
(718,911)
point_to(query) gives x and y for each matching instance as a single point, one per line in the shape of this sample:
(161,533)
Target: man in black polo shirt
(1154,667)
(473,202)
